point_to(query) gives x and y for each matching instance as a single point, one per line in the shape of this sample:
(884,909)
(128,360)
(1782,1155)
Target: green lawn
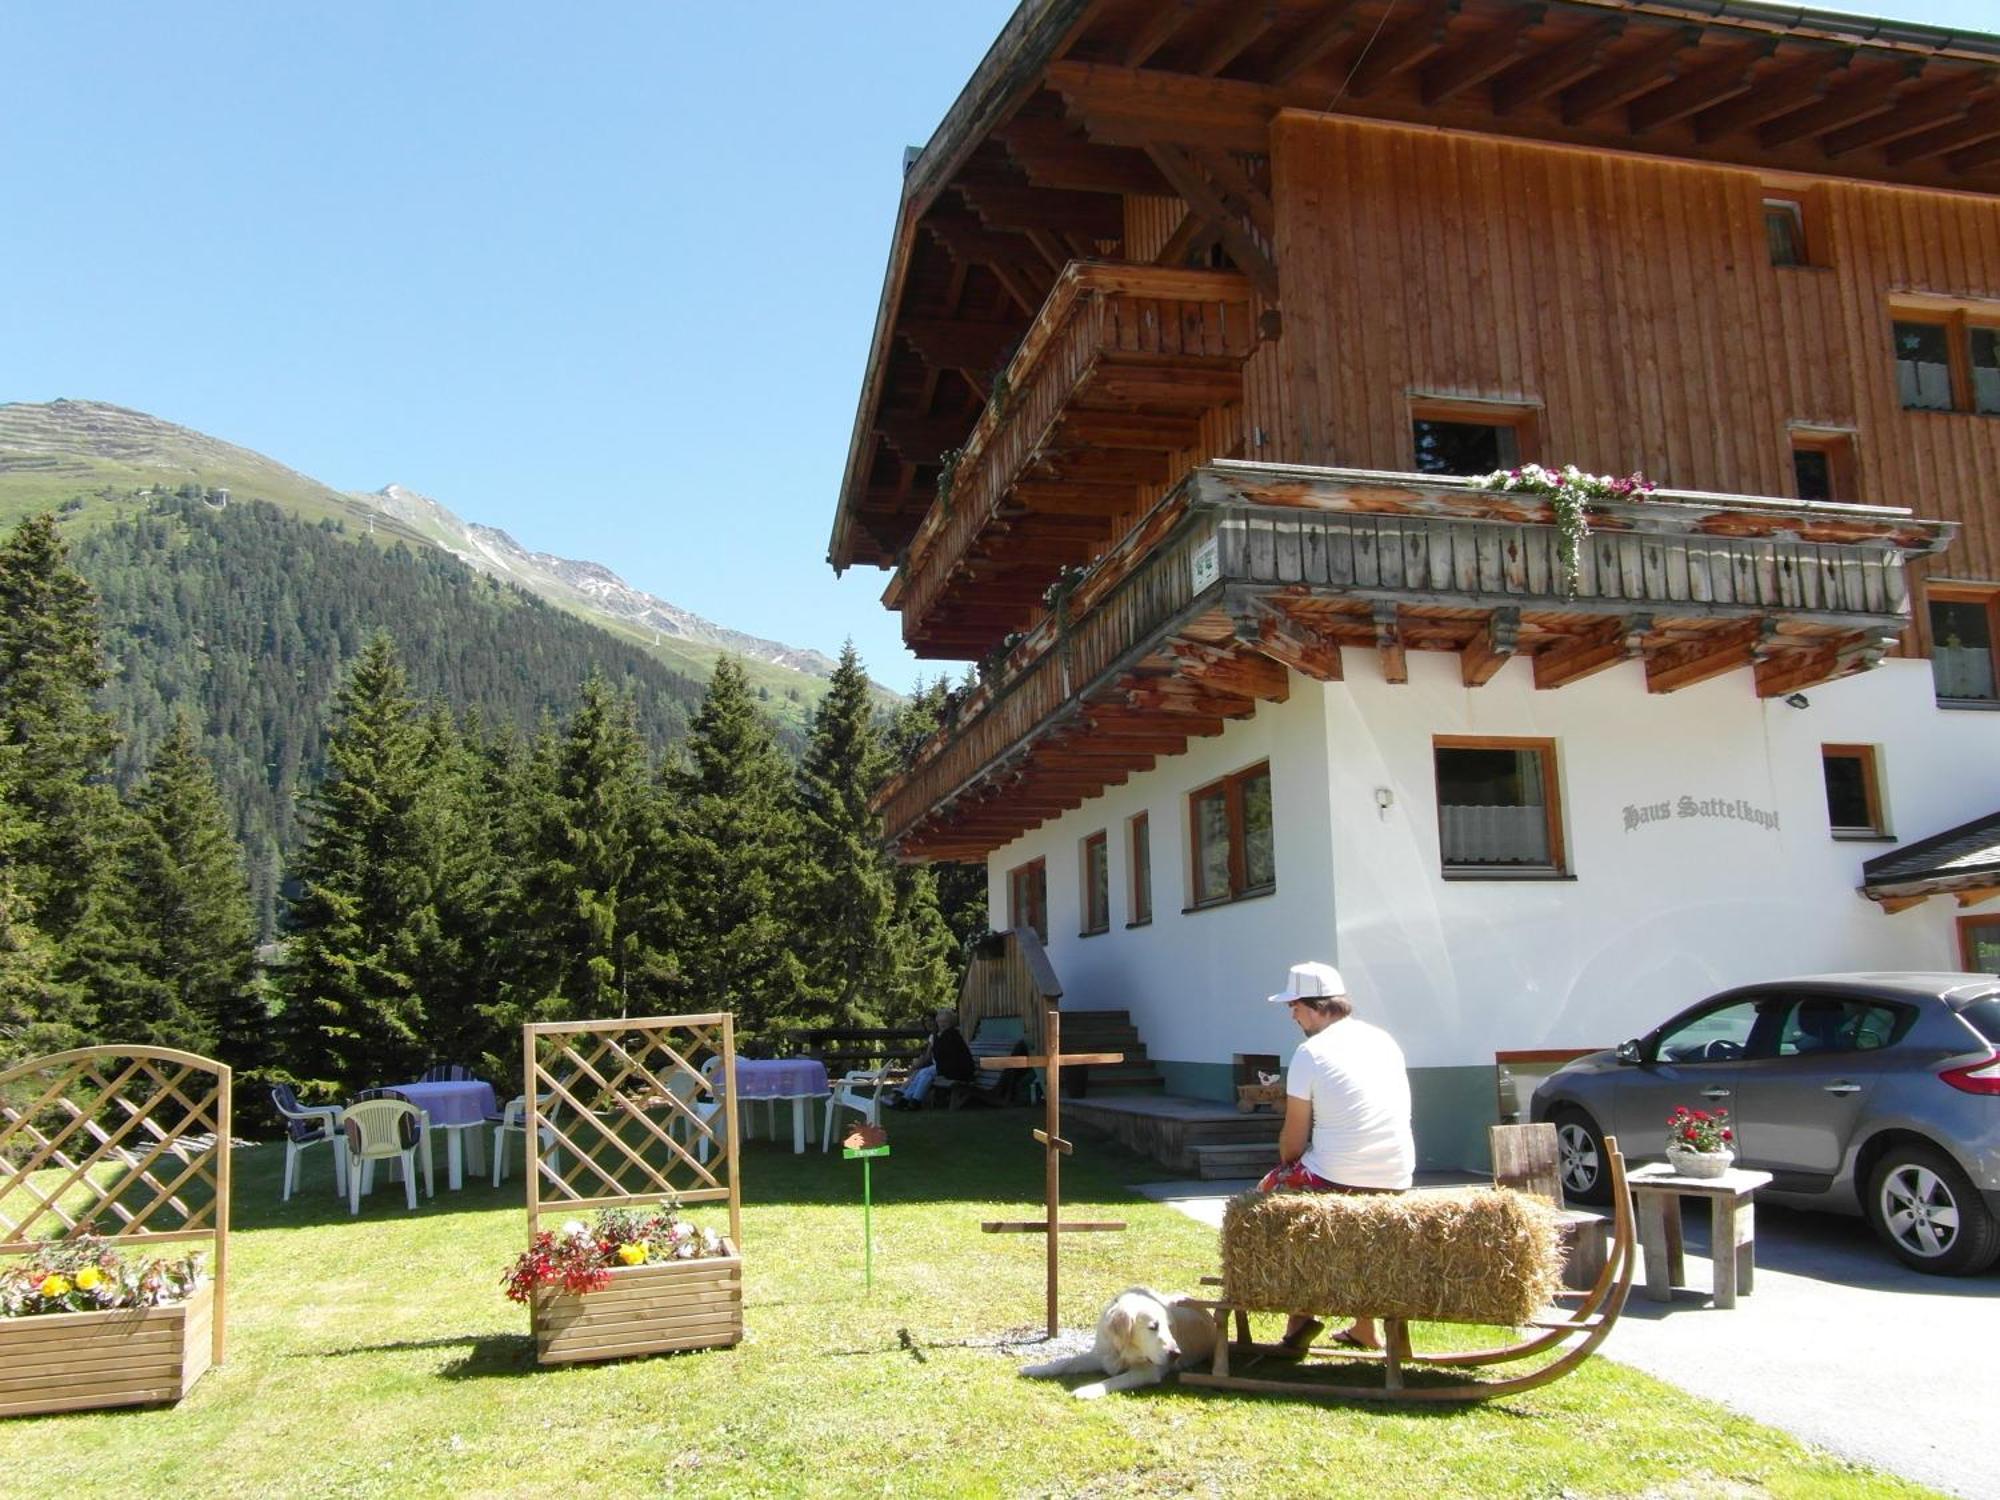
(376,1356)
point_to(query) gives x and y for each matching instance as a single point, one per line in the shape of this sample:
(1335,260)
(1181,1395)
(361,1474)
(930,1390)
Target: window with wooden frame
(1853,791)
(1229,824)
(1823,464)
(1785,229)
(1979,944)
(1028,897)
(1469,437)
(1499,810)
(1139,853)
(1947,355)
(1096,884)
(1965,622)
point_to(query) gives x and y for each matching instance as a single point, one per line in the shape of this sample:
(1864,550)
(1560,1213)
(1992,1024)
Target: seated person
(947,1057)
(1347,1116)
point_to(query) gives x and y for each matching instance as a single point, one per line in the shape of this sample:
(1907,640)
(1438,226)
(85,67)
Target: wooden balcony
(1110,382)
(1247,572)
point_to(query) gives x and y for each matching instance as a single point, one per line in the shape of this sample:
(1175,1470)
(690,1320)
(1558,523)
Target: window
(1818,1024)
(1948,356)
(1962,620)
(1823,464)
(1498,808)
(1979,949)
(1230,823)
(1785,231)
(1469,437)
(1722,1034)
(1140,848)
(1853,792)
(1028,897)
(1096,885)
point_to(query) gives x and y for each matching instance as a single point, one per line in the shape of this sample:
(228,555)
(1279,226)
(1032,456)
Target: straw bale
(1471,1255)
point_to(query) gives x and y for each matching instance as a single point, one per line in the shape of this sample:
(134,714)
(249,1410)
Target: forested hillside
(246,617)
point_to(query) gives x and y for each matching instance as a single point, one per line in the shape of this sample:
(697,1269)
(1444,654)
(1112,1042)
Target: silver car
(1876,1094)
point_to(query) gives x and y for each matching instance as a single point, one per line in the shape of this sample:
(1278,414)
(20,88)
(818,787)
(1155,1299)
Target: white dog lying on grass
(1141,1336)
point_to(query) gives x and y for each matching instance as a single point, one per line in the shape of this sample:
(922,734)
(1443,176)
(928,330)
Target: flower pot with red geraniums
(1699,1141)
(636,1281)
(83,1326)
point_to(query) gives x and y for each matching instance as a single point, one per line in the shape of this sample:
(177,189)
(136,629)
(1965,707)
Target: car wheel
(1929,1214)
(1586,1176)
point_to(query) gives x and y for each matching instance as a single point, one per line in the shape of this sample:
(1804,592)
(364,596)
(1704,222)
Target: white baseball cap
(1311,982)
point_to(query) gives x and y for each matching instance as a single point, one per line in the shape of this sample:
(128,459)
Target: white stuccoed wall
(1657,916)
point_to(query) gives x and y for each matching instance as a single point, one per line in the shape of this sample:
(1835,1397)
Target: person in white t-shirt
(1347,1115)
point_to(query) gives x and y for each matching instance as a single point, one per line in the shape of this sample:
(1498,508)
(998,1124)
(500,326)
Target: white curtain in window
(1962,671)
(1495,835)
(1924,384)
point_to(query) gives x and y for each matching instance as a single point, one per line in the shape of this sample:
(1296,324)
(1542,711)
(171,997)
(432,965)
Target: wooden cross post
(1054,1149)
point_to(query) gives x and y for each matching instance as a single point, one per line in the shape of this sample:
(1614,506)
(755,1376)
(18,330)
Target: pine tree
(734,848)
(592,928)
(846,893)
(958,888)
(363,915)
(25,955)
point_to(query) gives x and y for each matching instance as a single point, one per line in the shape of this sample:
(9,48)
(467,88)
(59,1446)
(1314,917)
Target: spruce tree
(25,955)
(186,913)
(958,888)
(363,916)
(734,850)
(591,930)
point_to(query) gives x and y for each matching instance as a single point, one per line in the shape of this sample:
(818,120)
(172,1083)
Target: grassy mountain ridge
(97,463)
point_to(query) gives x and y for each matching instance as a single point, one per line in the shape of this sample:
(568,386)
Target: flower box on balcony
(130,1356)
(645,1309)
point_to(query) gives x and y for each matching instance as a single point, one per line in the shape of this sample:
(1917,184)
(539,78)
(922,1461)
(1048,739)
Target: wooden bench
(847,1049)
(1528,1159)
(995,1036)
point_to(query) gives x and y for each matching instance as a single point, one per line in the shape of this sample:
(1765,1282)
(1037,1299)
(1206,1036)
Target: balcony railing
(1232,533)
(1110,339)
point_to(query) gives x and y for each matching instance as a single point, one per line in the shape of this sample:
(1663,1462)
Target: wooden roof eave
(1011,70)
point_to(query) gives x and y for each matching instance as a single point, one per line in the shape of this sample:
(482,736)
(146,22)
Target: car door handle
(1843,1086)
(1715,1093)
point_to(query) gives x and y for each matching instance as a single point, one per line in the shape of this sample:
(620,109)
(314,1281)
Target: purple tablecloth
(779,1077)
(452,1103)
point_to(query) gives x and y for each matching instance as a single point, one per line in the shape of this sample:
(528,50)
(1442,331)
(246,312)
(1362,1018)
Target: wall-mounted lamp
(1799,700)
(1384,798)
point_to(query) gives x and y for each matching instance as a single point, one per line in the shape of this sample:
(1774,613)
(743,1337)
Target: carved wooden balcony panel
(1109,383)
(1246,573)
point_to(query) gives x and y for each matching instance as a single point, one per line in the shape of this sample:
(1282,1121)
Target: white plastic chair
(382,1130)
(700,1097)
(514,1120)
(860,1091)
(308,1125)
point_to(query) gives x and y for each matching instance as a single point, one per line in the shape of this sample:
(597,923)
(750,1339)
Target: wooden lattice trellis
(617,1109)
(131,1143)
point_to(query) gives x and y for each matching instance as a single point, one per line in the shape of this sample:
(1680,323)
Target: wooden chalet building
(1196,316)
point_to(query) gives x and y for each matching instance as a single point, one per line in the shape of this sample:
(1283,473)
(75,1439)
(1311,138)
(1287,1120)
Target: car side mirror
(1630,1052)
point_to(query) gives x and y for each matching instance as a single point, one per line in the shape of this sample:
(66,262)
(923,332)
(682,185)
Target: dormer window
(1785,231)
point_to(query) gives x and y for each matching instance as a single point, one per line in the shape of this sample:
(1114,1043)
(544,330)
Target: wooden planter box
(131,1357)
(649,1309)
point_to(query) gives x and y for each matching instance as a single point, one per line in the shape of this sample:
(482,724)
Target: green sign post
(866,1155)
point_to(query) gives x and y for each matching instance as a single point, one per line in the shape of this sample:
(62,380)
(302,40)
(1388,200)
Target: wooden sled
(1572,1336)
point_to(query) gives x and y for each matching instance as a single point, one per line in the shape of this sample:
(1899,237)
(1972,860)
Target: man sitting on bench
(947,1057)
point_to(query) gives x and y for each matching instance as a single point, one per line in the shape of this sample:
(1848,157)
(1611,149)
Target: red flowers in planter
(580,1257)
(1703,1130)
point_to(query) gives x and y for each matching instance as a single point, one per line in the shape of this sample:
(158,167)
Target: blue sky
(603,276)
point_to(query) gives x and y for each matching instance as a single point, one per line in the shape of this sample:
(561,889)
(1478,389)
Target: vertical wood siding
(1630,300)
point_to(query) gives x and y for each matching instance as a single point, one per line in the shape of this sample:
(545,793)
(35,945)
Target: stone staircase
(1109,1031)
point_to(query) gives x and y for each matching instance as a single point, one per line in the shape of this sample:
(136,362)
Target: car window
(1721,1034)
(1817,1024)
(1984,1017)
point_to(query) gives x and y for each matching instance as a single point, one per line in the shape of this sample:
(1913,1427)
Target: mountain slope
(97,462)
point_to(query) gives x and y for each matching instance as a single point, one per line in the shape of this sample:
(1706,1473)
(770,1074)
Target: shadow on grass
(486,1355)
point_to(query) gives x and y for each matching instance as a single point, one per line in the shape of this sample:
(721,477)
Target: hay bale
(1466,1255)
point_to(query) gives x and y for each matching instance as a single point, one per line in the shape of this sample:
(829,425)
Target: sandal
(1349,1339)
(1298,1345)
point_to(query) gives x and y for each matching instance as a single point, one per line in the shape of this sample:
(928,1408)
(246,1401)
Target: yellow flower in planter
(55,1285)
(632,1254)
(88,1278)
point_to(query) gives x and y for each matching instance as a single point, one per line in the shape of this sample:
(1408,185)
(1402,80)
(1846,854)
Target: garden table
(795,1078)
(455,1108)
(1657,1191)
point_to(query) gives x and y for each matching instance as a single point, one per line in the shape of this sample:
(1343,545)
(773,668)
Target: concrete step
(1248,1159)
(1257,1130)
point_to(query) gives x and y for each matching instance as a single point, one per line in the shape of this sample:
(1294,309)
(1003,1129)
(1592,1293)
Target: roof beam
(1700,89)
(1627,75)
(1327,31)
(949,345)
(1159,29)
(1974,159)
(1193,185)
(1478,58)
(1765,97)
(1419,38)
(1677,667)
(1236,37)
(1934,106)
(921,439)
(1491,649)
(1096,216)
(1054,154)
(1980,123)
(1592,651)
(1389,643)
(1541,74)
(1861,99)
(1265,627)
